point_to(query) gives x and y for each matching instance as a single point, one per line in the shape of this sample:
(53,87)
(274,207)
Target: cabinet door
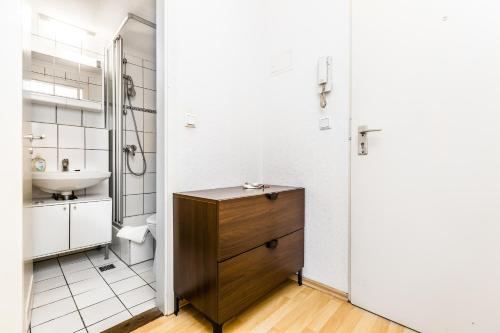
(90,223)
(50,229)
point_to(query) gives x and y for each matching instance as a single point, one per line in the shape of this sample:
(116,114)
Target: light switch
(324,123)
(190,120)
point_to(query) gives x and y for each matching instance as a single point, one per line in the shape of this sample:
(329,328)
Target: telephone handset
(324,78)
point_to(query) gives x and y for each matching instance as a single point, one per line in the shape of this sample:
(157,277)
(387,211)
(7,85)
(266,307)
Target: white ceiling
(100,16)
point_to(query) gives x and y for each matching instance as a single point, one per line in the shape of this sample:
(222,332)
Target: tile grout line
(73,298)
(102,277)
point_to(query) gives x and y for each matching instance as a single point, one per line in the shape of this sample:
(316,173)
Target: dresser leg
(217,328)
(176,307)
(299,277)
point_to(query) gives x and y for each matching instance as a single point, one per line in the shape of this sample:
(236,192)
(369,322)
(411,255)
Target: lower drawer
(245,278)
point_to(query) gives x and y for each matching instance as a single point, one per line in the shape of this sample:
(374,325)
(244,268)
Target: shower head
(130,88)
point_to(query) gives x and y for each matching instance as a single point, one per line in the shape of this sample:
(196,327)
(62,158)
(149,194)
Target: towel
(135,234)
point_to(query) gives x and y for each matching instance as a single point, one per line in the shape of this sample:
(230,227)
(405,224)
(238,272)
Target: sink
(65,182)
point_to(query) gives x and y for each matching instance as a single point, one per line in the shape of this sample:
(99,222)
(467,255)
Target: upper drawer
(246,223)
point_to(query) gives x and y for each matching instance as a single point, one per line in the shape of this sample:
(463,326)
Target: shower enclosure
(131,109)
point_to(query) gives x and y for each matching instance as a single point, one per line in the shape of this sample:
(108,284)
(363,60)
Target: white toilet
(151,222)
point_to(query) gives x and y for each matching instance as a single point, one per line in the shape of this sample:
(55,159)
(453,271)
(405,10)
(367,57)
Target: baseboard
(322,287)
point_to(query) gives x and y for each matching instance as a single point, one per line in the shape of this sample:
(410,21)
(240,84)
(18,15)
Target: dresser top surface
(227,193)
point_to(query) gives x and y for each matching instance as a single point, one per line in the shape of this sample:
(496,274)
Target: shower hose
(130,92)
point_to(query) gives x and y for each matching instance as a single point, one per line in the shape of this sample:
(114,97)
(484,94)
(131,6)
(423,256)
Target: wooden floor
(289,308)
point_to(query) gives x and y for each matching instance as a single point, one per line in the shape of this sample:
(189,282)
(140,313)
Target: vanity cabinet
(232,246)
(90,223)
(50,229)
(60,226)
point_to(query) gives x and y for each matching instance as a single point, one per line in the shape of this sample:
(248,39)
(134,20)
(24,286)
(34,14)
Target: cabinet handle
(272,196)
(64,208)
(272,244)
(74,207)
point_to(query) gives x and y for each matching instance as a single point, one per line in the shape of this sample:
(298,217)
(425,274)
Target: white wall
(216,72)
(296,152)
(11,246)
(254,126)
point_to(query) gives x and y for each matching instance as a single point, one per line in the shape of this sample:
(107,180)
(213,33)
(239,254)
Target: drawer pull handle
(272,196)
(272,244)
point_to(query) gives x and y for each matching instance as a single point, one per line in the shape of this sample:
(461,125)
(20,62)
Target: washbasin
(65,182)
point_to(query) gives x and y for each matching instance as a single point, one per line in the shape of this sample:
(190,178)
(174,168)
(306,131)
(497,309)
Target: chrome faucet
(65,164)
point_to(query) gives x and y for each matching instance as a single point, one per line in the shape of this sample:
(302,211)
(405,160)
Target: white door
(90,223)
(425,217)
(50,229)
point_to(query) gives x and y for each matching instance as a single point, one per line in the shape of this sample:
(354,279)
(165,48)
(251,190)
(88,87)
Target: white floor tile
(123,286)
(101,311)
(51,311)
(67,324)
(148,276)
(97,257)
(46,270)
(50,296)
(109,322)
(137,296)
(117,275)
(142,267)
(48,284)
(76,266)
(87,285)
(81,275)
(142,307)
(72,258)
(93,296)
(153,285)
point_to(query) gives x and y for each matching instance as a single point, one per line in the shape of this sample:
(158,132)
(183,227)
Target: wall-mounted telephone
(324,78)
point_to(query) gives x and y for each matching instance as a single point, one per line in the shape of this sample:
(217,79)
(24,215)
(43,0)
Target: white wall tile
(150,142)
(133,184)
(149,122)
(43,113)
(149,79)
(135,163)
(139,119)
(95,92)
(50,132)
(134,205)
(96,138)
(97,160)
(71,137)
(131,139)
(138,99)
(133,59)
(136,73)
(135,221)
(151,162)
(150,182)
(93,119)
(100,189)
(149,64)
(149,99)
(149,203)
(69,117)
(50,156)
(75,157)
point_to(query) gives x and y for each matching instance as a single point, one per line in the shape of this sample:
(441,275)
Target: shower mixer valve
(130,149)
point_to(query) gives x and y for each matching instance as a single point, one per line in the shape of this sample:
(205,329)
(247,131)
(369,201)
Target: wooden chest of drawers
(232,246)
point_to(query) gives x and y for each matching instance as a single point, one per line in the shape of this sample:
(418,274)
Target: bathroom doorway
(92,85)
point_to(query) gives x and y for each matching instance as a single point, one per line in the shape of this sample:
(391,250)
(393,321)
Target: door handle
(32,137)
(363,139)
